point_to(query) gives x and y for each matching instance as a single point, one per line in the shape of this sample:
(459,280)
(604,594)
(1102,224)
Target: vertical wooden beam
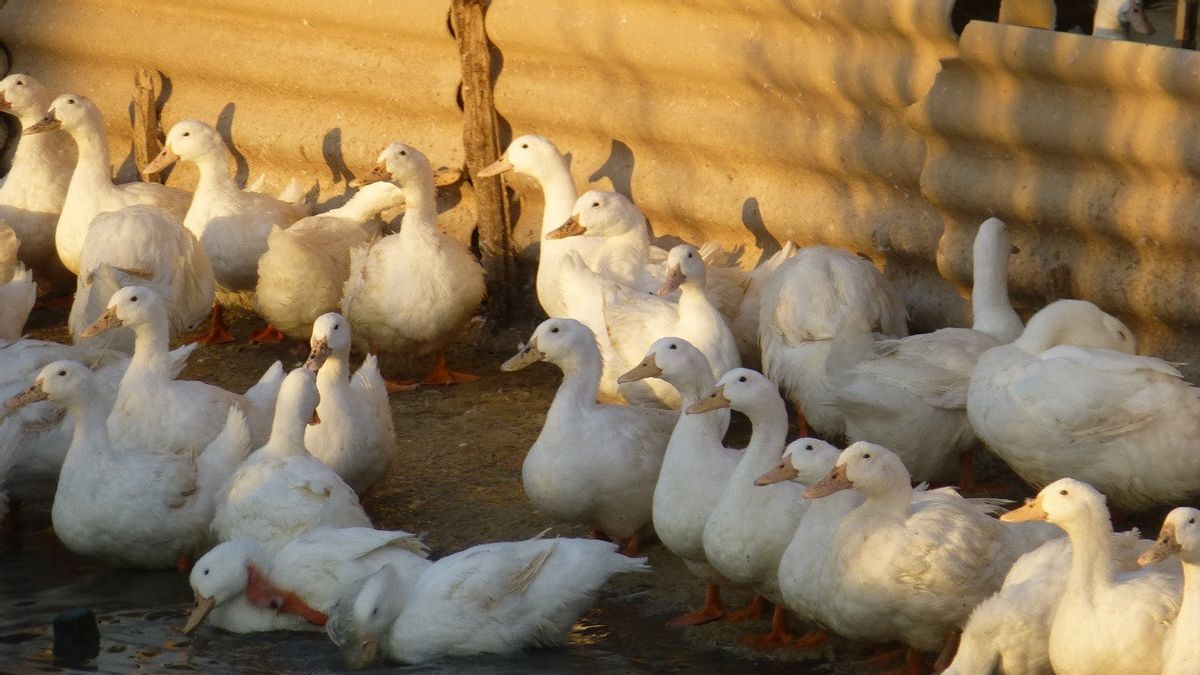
(147,85)
(1185,23)
(481,140)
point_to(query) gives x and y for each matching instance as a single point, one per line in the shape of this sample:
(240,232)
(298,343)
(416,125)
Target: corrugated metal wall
(862,123)
(1090,150)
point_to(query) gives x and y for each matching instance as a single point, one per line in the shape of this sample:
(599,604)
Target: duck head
(68,383)
(1075,322)
(805,461)
(130,306)
(554,340)
(24,97)
(672,359)
(363,618)
(600,214)
(683,264)
(1179,535)
(740,389)
(1064,502)
(526,154)
(866,467)
(330,335)
(188,140)
(220,576)
(69,111)
(399,163)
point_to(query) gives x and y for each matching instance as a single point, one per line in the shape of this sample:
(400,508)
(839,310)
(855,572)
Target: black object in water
(76,636)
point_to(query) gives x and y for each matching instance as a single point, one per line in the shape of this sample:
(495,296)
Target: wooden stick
(1185,24)
(481,141)
(147,84)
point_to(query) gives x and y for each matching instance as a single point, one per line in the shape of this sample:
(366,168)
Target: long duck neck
(91,428)
(151,348)
(420,211)
(1191,589)
(335,371)
(768,424)
(92,164)
(287,432)
(581,380)
(214,171)
(1091,555)
(991,310)
(558,194)
(888,504)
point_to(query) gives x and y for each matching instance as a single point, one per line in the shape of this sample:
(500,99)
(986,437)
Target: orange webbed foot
(711,611)
(267,335)
(631,547)
(441,374)
(779,636)
(218,332)
(751,611)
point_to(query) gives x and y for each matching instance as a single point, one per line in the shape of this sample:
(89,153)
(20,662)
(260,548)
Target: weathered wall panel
(304,88)
(1090,150)
(751,122)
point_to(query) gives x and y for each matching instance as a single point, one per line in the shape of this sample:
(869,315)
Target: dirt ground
(457,479)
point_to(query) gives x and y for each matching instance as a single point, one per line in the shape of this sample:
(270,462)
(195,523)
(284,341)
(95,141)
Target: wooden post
(481,140)
(147,84)
(1185,23)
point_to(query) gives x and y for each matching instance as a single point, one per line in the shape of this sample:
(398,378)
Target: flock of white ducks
(263,489)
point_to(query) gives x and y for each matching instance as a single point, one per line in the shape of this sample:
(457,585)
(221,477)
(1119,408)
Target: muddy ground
(457,479)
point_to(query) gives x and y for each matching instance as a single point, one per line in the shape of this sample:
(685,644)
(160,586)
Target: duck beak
(5,105)
(31,395)
(529,354)
(785,471)
(496,168)
(1134,14)
(361,653)
(571,228)
(165,158)
(199,612)
(107,321)
(48,123)
(674,278)
(1164,547)
(319,354)
(647,368)
(836,481)
(377,173)
(714,401)
(1032,510)
(315,419)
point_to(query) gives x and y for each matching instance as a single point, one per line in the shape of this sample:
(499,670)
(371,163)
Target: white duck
(909,570)
(281,491)
(17,296)
(355,436)
(242,588)
(910,394)
(141,245)
(695,469)
(744,323)
(232,224)
(91,190)
(626,322)
(33,191)
(149,393)
(134,506)
(302,274)
(1008,634)
(409,293)
(751,526)
(1106,622)
(494,598)
(592,463)
(538,157)
(1180,535)
(1114,19)
(802,307)
(1063,401)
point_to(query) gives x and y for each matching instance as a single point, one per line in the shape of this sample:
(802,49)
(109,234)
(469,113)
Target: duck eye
(71,101)
(133,299)
(595,205)
(375,611)
(742,378)
(404,153)
(689,255)
(554,330)
(187,133)
(524,145)
(20,82)
(1191,521)
(275,604)
(336,326)
(867,456)
(1062,492)
(808,447)
(62,373)
(205,572)
(674,346)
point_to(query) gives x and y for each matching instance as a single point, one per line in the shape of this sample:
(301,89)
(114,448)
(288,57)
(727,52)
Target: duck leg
(801,421)
(750,611)
(392,386)
(443,375)
(810,640)
(779,636)
(218,330)
(949,649)
(711,611)
(630,549)
(267,335)
(914,664)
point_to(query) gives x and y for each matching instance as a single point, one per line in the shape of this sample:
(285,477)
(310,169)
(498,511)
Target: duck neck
(91,427)
(888,504)
(991,309)
(214,171)
(693,385)
(287,434)
(91,165)
(335,372)
(151,349)
(581,380)
(692,297)
(1091,555)
(558,194)
(1191,589)
(768,423)
(420,210)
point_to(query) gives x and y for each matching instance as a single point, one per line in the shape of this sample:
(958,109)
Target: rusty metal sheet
(1090,150)
(303,87)
(748,122)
